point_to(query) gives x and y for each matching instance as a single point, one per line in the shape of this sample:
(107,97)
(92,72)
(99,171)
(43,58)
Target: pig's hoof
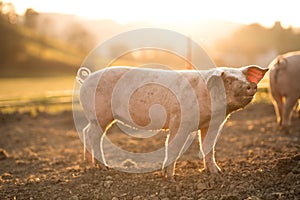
(203,170)
(217,172)
(213,170)
(168,176)
(106,167)
(164,173)
(172,179)
(91,164)
(168,172)
(284,130)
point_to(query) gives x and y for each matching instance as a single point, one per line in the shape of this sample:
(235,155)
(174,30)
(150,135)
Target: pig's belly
(150,107)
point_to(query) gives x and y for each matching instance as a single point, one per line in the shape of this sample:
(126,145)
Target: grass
(36,94)
(33,87)
(262,95)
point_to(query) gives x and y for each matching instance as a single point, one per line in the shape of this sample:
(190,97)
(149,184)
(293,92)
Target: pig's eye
(229,80)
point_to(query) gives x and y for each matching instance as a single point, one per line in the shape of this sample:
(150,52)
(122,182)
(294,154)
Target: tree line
(250,41)
(254,39)
(74,32)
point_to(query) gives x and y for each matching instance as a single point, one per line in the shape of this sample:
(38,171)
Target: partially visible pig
(136,97)
(285,86)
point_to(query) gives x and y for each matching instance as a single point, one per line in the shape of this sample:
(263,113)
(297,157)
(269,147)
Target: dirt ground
(41,158)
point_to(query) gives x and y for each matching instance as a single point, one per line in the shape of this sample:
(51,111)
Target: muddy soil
(41,157)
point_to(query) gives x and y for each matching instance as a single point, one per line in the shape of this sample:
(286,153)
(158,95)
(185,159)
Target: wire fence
(52,102)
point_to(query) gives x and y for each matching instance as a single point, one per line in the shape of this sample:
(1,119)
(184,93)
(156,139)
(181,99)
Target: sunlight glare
(246,12)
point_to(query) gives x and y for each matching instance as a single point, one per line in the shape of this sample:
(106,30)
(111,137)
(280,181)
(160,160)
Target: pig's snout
(251,89)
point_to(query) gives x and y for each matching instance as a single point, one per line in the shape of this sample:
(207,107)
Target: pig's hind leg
(287,113)
(176,144)
(91,141)
(86,154)
(278,106)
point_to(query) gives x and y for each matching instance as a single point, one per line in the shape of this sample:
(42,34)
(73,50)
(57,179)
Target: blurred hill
(48,44)
(25,52)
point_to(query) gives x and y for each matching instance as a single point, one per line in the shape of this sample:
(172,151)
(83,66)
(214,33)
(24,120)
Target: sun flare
(255,11)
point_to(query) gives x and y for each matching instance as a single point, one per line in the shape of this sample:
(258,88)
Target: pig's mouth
(246,96)
(247,99)
(249,96)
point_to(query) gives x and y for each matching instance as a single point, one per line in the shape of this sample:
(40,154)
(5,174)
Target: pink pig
(181,101)
(285,86)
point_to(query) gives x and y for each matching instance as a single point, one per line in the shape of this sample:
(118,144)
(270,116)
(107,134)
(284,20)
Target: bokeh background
(44,43)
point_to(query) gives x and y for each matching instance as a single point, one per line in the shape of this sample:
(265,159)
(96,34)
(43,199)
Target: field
(47,94)
(41,157)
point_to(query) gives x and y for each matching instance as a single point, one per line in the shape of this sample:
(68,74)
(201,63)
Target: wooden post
(189,53)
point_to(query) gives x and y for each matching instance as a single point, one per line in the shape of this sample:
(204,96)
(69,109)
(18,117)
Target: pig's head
(240,85)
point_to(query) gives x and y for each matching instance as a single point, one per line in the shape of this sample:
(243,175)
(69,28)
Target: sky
(265,12)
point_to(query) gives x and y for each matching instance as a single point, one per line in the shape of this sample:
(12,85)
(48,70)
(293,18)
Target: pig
(181,101)
(284,86)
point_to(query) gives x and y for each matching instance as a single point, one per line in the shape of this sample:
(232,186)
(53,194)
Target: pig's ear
(218,72)
(216,78)
(216,88)
(254,73)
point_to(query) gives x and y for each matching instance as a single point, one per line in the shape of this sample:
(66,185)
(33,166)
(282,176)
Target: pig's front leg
(207,151)
(210,163)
